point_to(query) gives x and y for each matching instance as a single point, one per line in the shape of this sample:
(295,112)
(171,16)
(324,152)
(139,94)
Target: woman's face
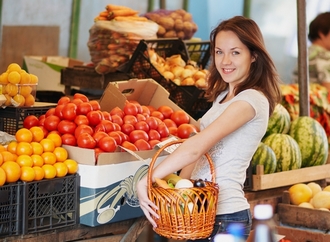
(232,58)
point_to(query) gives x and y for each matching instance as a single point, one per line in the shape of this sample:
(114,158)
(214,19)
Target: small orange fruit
(4,78)
(13,67)
(23,134)
(33,79)
(37,160)
(61,154)
(47,144)
(12,147)
(72,166)
(61,169)
(24,148)
(24,160)
(8,156)
(49,157)
(25,77)
(37,148)
(29,100)
(2,148)
(18,100)
(14,77)
(2,177)
(50,171)
(11,89)
(1,159)
(27,174)
(56,138)
(37,133)
(13,171)
(39,173)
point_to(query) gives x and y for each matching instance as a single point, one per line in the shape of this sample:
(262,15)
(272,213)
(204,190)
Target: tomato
(166,111)
(151,108)
(30,121)
(118,111)
(50,111)
(106,115)
(169,123)
(97,151)
(94,117)
(180,117)
(95,104)
(117,127)
(116,136)
(83,128)
(130,119)
(153,142)
(77,101)
(45,130)
(138,134)
(80,96)
(145,110)
(152,122)
(163,130)
(58,110)
(117,119)
(69,111)
(185,130)
(129,145)
(98,136)
(63,100)
(108,144)
(173,131)
(105,125)
(86,140)
(142,125)
(141,144)
(140,117)
(66,127)
(127,128)
(124,137)
(153,134)
(157,114)
(84,108)
(81,119)
(69,139)
(51,122)
(130,108)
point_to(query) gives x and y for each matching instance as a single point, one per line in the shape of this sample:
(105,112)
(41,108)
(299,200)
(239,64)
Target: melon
(321,200)
(279,121)
(286,150)
(312,140)
(300,193)
(265,156)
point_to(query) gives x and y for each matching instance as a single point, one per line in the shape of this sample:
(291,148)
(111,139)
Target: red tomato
(106,115)
(157,114)
(166,111)
(118,111)
(152,122)
(151,108)
(185,130)
(129,145)
(117,127)
(63,100)
(145,109)
(77,101)
(173,131)
(141,144)
(84,108)
(130,108)
(30,121)
(58,110)
(117,119)
(97,151)
(86,140)
(180,117)
(95,104)
(138,105)
(51,122)
(105,125)
(66,127)
(94,117)
(98,136)
(116,136)
(127,128)
(142,125)
(80,96)
(69,139)
(81,119)
(153,142)
(140,117)
(124,137)
(69,111)
(50,111)
(153,134)
(44,130)
(130,119)
(108,144)
(163,130)
(138,134)
(169,123)
(83,128)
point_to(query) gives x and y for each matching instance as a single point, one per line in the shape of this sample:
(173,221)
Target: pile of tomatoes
(80,122)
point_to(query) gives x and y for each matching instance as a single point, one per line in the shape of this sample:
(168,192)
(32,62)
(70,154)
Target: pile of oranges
(33,157)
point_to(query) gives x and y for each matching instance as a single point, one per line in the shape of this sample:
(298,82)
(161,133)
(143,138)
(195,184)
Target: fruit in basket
(312,140)
(172,179)
(264,155)
(306,205)
(321,200)
(279,121)
(287,151)
(315,187)
(300,193)
(161,183)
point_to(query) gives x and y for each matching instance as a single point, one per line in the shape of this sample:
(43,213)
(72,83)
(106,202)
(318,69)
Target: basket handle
(154,158)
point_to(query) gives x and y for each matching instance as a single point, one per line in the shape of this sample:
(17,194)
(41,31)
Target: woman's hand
(146,205)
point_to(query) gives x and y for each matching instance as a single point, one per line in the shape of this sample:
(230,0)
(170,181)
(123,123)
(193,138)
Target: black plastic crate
(199,51)
(11,202)
(51,204)
(11,118)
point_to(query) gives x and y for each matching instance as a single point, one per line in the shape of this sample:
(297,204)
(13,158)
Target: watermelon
(265,156)
(279,122)
(287,151)
(312,140)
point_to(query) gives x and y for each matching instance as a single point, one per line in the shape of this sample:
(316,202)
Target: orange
(29,100)
(56,138)
(39,173)
(72,166)
(61,154)
(33,79)
(300,193)
(4,78)
(2,148)
(25,77)
(8,100)
(37,133)
(37,160)
(13,171)
(49,157)
(1,159)
(47,144)
(25,90)
(61,169)
(14,77)
(27,174)
(24,148)
(12,147)
(37,148)
(2,177)
(50,171)
(18,100)
(8,156)
(24,160)
(24,134)
(13,67)
(11,89)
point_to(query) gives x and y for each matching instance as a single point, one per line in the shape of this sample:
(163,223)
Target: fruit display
(17,87)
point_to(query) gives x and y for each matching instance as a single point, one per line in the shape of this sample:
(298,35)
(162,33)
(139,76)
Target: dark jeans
(222,222)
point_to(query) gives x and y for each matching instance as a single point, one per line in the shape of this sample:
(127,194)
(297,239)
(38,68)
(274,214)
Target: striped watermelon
(312,140)
(287,151)
(279,122)
(265,156)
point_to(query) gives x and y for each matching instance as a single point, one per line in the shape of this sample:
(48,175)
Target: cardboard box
(48,70)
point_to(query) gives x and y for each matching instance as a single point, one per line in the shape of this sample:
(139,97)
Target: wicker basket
(185,213)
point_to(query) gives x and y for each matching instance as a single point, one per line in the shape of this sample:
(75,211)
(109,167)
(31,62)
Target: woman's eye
(218,52)
(235,53)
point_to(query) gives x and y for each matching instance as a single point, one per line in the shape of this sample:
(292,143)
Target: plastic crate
(199,51)
(11,209)
(11,118)
(51,204)
(189,98)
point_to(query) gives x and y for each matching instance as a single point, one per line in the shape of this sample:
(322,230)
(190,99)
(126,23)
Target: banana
(172,178)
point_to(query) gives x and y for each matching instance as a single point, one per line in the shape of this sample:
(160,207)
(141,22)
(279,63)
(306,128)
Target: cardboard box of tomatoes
(107,188)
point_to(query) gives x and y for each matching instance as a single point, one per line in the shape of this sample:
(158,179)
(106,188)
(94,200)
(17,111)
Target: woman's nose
(226,60)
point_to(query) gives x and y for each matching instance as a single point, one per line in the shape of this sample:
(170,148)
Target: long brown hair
(263,75)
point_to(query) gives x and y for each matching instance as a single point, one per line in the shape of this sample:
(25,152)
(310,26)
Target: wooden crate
(303,235)
(286,178)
